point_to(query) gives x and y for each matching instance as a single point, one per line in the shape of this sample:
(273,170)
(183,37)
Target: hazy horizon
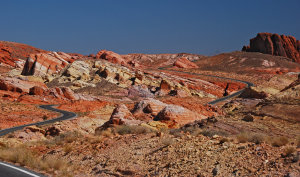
(177,26)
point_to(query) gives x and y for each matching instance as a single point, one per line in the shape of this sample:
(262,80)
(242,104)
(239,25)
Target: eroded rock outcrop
(184,63)
(18,85)
(149,110)
(275,44)
(12,52)
(111,57)
(254,92)
(43,64)
(175,115)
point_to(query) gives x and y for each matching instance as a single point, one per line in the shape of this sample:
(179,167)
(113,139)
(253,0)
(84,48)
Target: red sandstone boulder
(148,105)
(175,115)
(18,85)
(68,93)
(184,63)
(121,116)
(111,57)
(274,44)
(253,92)
(36,90)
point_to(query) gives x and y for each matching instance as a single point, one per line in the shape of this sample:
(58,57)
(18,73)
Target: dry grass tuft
(105,133)
(298,142)
(288,151)
(26,157)
(133,129)
(67,148)
(250,137)
(167,141)
(19,155)
(279,141)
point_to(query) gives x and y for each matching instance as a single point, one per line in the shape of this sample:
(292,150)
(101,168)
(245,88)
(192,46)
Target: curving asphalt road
(9,170)
(249,84)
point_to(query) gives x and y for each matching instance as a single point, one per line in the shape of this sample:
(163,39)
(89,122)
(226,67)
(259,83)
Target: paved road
(226,78)
(65,116)
(9,170)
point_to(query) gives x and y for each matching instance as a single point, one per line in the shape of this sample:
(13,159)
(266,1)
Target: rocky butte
(275,44)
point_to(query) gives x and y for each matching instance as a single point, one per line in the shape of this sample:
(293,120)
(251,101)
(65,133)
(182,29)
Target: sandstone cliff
(275,44)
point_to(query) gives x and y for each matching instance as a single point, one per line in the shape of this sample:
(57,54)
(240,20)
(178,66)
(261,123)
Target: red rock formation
(10,52)
(175,115)
(159,60)
(184,63)
(18,85)
(68,93)
(36,90)
(274,44)
(111,57)
(42,64)
(120,116)
(148,105)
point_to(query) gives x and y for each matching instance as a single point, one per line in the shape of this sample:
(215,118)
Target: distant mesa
(275,44)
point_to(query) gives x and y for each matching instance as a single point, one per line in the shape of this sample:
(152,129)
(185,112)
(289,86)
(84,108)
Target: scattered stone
(248,118)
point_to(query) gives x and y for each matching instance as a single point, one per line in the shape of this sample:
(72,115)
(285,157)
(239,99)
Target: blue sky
(145,26)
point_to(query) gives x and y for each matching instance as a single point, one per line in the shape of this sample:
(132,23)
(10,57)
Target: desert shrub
(63,138)
(45,117)
(242,137)
(176,132)
(257,138)
(223,140)
(53,163)
(211,133)
(250,137)
(279,141)
(167,141)
(105,133)
(298,142)
(132,129)
(19,155)
(26,157)
(288,151)
(67,148)
(95,139)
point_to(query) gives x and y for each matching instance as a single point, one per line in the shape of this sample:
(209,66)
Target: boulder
(139,91)
(111,57)
(122,116)
(274,44)
(148,105)
(52,131)
(63,93)
(176,115)
(36,90)
(253,92)
(248,118)
(18,85)
(184,63)
(79,70)
(68,93)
